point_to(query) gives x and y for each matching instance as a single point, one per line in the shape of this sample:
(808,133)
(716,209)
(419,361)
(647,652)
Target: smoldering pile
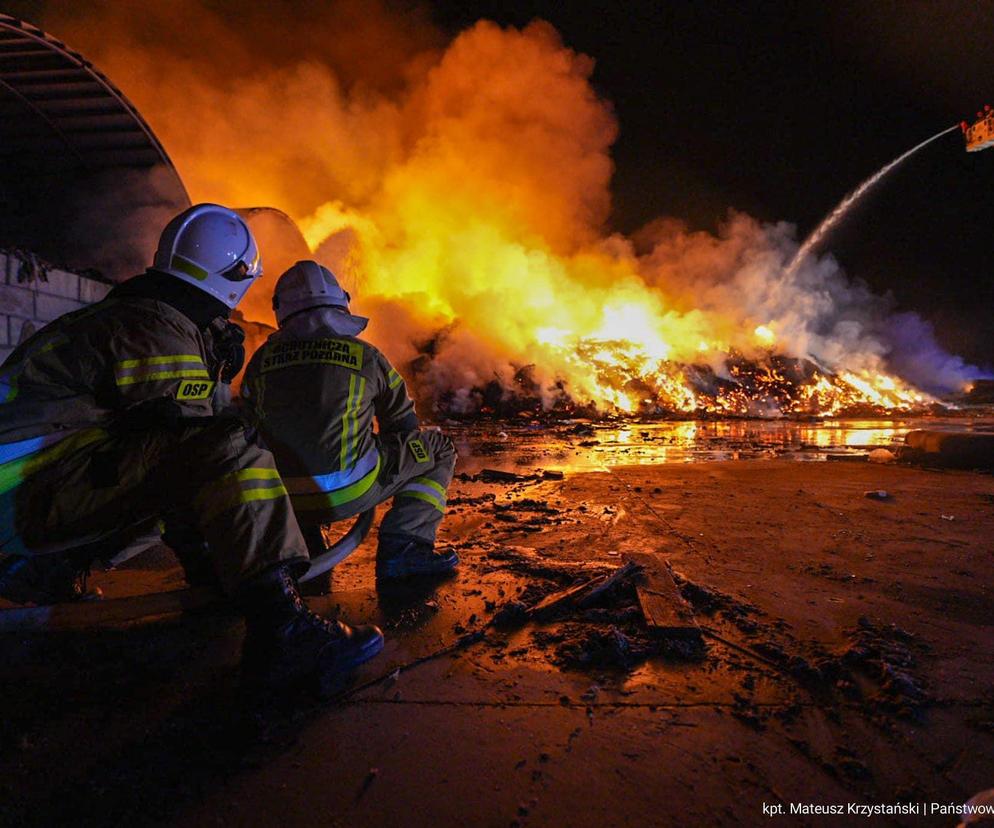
(770,387)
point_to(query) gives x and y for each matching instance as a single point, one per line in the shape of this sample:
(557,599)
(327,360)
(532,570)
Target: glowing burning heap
(463,192)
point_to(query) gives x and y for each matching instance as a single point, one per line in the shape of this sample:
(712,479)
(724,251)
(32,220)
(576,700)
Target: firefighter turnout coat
(315,390)
(107,420)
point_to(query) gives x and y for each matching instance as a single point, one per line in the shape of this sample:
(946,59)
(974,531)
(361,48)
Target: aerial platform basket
(980,134)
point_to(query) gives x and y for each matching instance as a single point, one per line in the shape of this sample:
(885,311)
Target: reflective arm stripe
(239,488)
(164,375)
(159,360)
(394,379)
(151,369)
(339,497)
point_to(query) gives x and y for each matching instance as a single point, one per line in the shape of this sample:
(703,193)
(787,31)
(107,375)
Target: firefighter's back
(313,399)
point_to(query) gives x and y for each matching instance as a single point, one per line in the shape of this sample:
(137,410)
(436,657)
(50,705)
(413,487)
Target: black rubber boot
(44,579)
(287,645)
(401,556)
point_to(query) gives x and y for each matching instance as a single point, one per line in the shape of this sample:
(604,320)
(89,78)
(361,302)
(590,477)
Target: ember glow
(463,194)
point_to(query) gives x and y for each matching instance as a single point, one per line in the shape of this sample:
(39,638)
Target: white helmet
(211,248)
(304,286)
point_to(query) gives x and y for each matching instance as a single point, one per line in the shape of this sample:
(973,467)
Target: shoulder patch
(419,451)
(342,352)
(195,390)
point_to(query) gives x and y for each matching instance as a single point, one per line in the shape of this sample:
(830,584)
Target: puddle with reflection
(585,447)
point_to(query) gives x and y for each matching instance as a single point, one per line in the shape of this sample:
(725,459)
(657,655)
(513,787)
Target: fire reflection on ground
(590,446)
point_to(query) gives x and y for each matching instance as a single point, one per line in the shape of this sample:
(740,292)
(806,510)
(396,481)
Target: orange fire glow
(464,190)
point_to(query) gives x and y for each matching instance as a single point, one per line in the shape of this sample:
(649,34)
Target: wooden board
(564,597)
(665,610)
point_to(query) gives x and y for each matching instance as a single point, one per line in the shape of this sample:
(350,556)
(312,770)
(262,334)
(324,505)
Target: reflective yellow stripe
(15,472)
(395,378)
(270,493)
(236,489)
(427,481)
(159,360)
(427,498)
(188,267)
(157,368)
(188,373)
(339,497)
(350,421)
(355,420)
(253,473)
(345,422)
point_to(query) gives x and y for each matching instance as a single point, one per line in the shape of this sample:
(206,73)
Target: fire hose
(119,610)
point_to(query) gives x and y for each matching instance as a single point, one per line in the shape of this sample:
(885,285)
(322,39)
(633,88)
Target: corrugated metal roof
(59,113)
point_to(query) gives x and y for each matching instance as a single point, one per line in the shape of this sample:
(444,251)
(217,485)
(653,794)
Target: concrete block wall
(30,300)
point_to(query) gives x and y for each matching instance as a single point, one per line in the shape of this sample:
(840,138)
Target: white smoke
(814,308)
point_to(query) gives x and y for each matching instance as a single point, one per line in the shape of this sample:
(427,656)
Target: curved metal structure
(66,132)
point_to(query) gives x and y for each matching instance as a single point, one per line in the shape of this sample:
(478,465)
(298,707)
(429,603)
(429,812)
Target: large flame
(462,192)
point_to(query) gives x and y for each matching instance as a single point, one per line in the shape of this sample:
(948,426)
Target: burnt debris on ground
(841,655)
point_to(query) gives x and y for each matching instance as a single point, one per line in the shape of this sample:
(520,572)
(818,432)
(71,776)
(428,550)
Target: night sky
(779,109)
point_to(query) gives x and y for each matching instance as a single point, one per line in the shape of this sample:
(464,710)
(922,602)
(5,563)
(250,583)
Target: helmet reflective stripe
(304,286)
(212,248)
(189,268)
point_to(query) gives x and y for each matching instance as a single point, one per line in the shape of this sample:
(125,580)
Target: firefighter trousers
(415,470)
(207,474)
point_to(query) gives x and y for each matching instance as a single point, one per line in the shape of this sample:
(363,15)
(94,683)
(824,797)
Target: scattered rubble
(597,623)
(884,653)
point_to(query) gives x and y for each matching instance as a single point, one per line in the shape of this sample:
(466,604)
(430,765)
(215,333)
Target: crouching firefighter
(314,389)
(107,422)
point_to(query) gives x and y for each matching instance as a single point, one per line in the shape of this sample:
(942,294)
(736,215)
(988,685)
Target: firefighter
(315,389)
(108,422)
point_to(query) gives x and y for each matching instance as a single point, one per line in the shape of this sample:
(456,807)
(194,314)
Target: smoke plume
(460,187)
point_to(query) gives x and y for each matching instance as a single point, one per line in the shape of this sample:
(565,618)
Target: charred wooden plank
(499,476)
(564,597)
(665,610)
(627,571)
(582,595)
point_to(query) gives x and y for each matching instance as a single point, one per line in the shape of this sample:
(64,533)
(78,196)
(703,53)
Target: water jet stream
(833,218)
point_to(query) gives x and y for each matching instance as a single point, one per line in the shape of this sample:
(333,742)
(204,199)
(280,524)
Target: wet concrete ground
(847,657)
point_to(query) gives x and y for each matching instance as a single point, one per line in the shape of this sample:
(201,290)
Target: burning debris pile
(773,386)
(462,192)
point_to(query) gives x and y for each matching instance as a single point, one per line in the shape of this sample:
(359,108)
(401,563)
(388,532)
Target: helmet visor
(237,273)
